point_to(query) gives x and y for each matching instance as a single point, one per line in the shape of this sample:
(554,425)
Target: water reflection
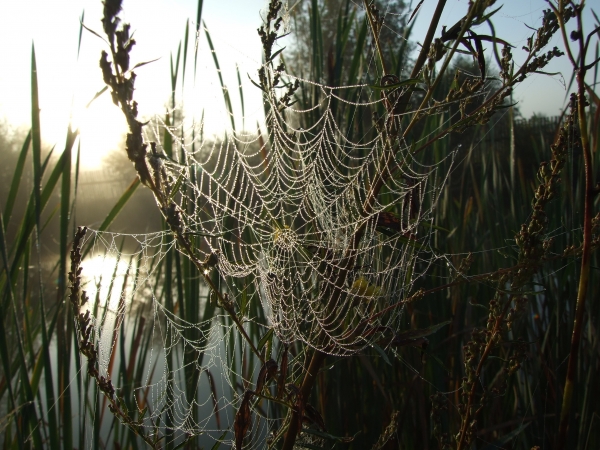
(104,280)
(142,346)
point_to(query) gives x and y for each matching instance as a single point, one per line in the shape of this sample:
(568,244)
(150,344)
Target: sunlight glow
(68,77)
(102,278)
(102,129)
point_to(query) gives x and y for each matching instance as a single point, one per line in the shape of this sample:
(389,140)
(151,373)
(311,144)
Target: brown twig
(580,69)
(88,348)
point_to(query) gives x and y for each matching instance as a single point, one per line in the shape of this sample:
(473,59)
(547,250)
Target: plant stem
(435,20)
(316,362)
(403,101)
(375,28)
(488,348)
(586,245)
(318,357)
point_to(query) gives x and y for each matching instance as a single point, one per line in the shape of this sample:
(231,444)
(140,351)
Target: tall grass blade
(317,41)
(223,87)
(28,223)
(65,327)
(65,209)
(81,20)
(185,51)
(237,69)
(36,138)
(16,181)
(29,410)
(37,171)
(197,36)
(114,212)
(4,353)
(174,74)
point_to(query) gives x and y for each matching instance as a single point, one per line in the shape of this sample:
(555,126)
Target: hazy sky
(67,82)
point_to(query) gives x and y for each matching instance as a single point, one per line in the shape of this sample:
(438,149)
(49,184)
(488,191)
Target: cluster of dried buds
(518,356)
(436,53)
(533,247)
(148,165)
(550,25)
(269,33)
(532,243)
(88,348)
(286,100)
(506,65)
(469,87)
(78,299)
(516,311)
(482,116)
(121,81)
(541,61)
(388,433)
(439,406)
(268,36)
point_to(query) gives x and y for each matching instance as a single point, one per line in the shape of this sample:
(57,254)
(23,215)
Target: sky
(68,80)
(513,22)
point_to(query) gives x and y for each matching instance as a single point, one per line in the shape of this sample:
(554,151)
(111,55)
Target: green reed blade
(237,69)
(37,173)
(16,180)
(344,26)
(64,334)
(28,223)
(358,52)
(35,133)
(97,423)
(65,382)
(81,20)
(48,378)
(6,364)
(65,209)
(197,36)
(168,295)
(114,212)
(29,411)
(223,87)
(185,51)
(168,137)
(317,42)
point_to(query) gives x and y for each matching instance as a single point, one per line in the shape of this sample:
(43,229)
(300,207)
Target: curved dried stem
(88,348)
(580,68)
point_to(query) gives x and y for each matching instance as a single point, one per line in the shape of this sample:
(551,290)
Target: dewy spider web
(283,215)
(287,216)
(289,223)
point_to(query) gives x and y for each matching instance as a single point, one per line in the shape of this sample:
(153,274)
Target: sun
(101,131)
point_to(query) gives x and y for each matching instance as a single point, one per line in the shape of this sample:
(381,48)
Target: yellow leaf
(361,287)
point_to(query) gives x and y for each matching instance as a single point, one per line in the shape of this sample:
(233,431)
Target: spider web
(310,234)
